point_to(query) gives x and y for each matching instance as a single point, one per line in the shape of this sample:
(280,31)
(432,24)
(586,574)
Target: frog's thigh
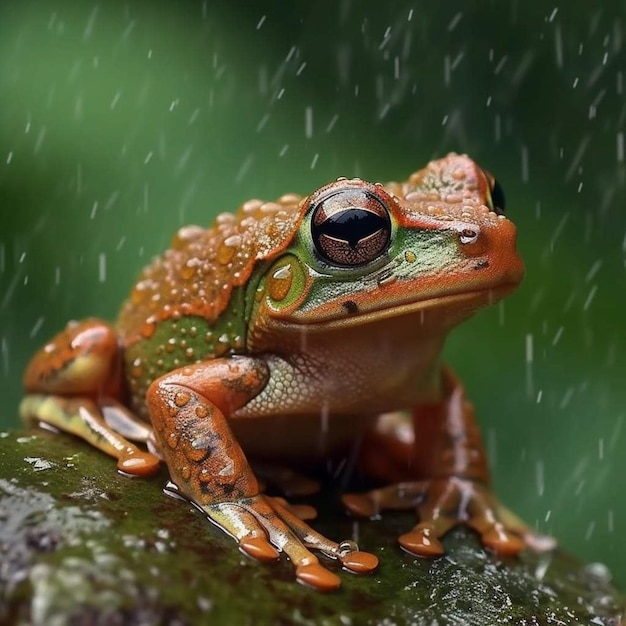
(83,359)
(66,381)
(388,450)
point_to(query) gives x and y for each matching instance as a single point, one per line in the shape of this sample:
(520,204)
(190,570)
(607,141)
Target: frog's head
(438,246)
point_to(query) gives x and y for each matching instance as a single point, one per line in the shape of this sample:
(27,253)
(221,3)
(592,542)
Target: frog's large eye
(350,227)
(496,194)
(497,197)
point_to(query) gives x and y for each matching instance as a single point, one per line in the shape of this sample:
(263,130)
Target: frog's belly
(321,401)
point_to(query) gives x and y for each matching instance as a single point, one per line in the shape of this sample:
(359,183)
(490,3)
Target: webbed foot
(443,504)
(264,526)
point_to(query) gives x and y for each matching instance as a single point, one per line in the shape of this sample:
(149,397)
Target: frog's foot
(81,416)
(302,511)
(287,480)
(444,503)
(264,526)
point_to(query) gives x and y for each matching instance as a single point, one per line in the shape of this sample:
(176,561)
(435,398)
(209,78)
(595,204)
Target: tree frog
(284,334)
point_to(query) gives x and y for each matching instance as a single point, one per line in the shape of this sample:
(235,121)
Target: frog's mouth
(445,309)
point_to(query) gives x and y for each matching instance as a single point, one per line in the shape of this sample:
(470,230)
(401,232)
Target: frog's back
(197,274)
(188,304)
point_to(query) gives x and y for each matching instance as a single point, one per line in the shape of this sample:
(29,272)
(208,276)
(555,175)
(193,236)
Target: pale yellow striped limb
(82,417)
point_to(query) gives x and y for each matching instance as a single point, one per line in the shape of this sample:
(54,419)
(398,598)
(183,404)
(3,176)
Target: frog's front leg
(453,485)
(189,409)
(74,383)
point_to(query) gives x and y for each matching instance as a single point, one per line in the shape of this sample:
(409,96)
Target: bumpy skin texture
(281,334)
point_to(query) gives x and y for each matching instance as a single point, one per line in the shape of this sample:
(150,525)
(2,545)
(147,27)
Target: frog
(294,330)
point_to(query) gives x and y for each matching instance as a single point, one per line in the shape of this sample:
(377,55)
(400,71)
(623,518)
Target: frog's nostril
(468,235)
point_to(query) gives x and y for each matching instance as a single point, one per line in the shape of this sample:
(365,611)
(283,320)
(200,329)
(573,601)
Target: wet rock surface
(82,544)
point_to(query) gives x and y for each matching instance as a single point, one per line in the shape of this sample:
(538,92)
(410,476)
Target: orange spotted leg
(443,473)
(74,384)
(189,408)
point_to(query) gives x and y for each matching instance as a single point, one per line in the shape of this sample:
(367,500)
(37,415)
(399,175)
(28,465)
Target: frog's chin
(444,310)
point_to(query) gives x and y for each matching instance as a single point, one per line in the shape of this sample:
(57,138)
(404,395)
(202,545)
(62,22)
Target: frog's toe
(137,462)
(303,511)
(539,542)
(504,543)
(354,560)
(259,548)
(265,526)
(399,497)
(347,552)
(423,540)
(360,505)
(317,576)
(285,479)
(533,540)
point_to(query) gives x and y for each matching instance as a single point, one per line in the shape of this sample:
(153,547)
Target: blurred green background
(121,121)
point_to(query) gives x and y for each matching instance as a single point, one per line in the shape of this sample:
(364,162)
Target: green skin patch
(188,340)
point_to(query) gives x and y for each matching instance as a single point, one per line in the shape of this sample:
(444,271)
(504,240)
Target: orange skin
(239,339)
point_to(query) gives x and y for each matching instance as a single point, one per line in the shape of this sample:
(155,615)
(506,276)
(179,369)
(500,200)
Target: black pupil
(497,197)
(352,225)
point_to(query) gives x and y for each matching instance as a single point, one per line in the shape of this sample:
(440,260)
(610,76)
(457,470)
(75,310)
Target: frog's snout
(492,248)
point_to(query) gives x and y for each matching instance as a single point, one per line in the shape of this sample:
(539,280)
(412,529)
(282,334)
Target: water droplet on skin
(185,235)
(233,241)
(136,370)
(270,208)
(225,218)
(280,283)
(225,253)
(181,398)
(201,411)
(187,271)
(289,198)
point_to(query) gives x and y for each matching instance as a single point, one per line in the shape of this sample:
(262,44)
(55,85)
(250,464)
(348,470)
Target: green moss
(80,543)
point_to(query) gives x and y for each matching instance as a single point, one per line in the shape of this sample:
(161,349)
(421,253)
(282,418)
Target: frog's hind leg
(73,383)
(438,466)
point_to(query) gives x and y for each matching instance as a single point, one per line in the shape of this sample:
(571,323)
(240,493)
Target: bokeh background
(121,121)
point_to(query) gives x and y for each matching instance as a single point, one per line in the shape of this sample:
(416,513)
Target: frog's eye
(350,227)
(495,197)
